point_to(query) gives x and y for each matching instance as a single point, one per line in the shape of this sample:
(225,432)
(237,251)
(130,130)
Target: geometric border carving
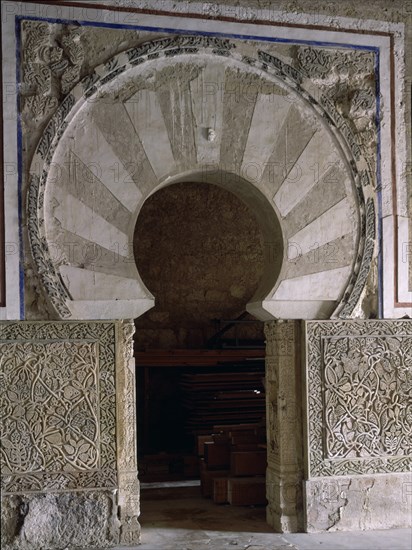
(319,335)
(99,337)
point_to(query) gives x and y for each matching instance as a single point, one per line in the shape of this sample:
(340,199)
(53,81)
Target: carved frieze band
(58,406)
(359,412)
(168,47)
(55,289)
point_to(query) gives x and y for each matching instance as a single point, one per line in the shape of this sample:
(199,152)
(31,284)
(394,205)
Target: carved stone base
(68,461)
(358,503)
(284,494)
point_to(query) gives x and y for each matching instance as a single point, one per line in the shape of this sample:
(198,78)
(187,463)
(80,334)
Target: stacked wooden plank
(233,464)
(233,393)
(197,389)
(194,357)
(168,467)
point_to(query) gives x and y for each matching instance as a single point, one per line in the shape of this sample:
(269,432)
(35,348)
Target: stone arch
(168,111)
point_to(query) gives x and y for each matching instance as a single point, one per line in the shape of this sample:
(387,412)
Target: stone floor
(180,519)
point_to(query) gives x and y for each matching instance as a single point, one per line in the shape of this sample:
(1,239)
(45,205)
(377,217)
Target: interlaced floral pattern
(50,406)
(368,396)
(58,406)
(359,402)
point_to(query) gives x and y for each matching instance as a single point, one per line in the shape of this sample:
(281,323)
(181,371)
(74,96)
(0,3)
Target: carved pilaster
(284,426)
(129,492)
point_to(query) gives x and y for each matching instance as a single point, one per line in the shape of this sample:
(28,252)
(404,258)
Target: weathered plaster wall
(358,391)
(68,454)
(200,253)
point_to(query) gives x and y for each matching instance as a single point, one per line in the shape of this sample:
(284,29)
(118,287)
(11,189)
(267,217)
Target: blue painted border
(19,169)
(196,33)
(379,184)
(373,49)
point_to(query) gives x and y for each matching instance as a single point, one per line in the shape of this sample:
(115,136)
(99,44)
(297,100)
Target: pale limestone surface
(79,520)
(358,503)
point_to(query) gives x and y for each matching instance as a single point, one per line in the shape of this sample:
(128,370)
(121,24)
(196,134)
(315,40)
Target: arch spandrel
(146,123)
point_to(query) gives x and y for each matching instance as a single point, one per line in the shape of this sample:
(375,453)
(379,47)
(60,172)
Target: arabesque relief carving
(51,66)
(368,396)
(58,406)
(50,400)
(359,378)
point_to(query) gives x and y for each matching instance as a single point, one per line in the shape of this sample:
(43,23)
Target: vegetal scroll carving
(50,416)
(58,406)
(359,383)
(368,396)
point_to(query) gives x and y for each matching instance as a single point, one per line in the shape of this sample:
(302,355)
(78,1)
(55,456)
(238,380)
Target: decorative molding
(62,374)
(55,290)
(353,369)
(368,232)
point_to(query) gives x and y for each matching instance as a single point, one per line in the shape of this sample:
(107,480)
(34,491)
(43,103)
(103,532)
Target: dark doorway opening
(199,354)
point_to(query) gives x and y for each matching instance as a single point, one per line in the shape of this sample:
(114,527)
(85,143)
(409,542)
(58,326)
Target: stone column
(129,489)
(284,426)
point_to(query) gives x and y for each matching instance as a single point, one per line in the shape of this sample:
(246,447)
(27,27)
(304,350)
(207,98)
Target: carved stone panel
(50,402)
(68,441)
(58,407)
(359,382)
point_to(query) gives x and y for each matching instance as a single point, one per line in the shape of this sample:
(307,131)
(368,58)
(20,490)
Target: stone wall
(68,455)
(357,397)
(54,58)
(200,253)
(88,98)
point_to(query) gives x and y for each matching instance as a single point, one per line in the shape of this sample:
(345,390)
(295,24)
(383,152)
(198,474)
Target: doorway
(200,357)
